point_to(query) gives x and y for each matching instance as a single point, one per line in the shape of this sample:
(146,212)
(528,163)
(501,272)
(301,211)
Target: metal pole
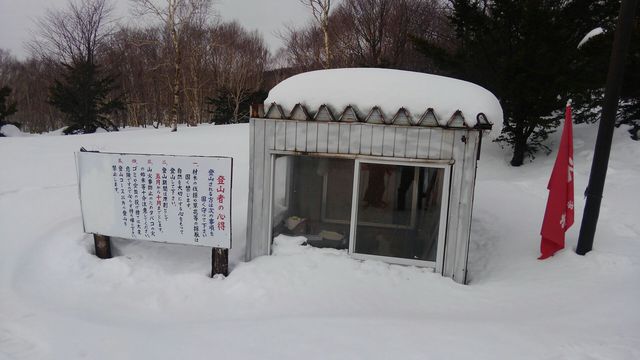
(605,129)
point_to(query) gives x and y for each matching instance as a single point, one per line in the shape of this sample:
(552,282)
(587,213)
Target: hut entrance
(392,210)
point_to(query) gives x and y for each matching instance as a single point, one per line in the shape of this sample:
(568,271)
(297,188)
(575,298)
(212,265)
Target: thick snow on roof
(391,90)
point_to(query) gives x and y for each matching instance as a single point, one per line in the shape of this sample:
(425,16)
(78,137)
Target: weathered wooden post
(102,245)
(219,261)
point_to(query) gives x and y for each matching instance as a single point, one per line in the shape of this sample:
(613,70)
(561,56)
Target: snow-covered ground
(155,301)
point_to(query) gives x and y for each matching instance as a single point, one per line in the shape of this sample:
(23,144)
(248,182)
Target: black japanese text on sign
(175,199)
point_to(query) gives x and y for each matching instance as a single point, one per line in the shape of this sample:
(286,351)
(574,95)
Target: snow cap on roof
(391,90)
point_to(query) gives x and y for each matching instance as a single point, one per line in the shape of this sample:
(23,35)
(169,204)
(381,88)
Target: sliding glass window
(395,211)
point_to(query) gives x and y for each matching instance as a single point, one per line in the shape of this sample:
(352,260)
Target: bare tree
(303,47)
(320,10)
(176,16)
(370,33)
(241,58)
(70,42)
(370,22)
(77,33)
(200,73)
(29,80)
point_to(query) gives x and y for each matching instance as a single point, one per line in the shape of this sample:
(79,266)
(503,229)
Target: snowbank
(11,131)
(365,88)
(156,301)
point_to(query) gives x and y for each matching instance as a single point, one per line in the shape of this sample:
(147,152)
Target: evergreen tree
(222,112)
(6,108)
(525,53)
(223,106)
(83,96)
(594,61)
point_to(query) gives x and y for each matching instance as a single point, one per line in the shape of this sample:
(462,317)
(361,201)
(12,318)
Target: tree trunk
(519,151)
(176,65)
(236,111)
(325,33)
(176,93)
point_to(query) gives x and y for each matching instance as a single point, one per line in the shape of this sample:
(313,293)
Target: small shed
(380,163)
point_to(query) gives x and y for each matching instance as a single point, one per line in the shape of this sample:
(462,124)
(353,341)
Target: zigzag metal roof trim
(275,112)
(324,114)
(350,114)
(402,117)
(429,119)
(376,116)
(457,120)
(299,112)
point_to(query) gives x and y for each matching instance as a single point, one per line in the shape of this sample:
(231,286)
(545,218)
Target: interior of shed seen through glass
(312,198)
(398,211)
(398,207)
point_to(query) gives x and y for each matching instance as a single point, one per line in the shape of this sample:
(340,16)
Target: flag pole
(605,129)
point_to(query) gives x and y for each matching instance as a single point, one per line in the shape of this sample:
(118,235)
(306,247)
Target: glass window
(400,208)
(398,211)
(312,198)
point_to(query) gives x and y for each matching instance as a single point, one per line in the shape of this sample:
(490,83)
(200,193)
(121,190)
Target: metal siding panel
(290,142)
(270,134)
(355,138)
(266,196)
(453,240)
(365,139)
(257,173)
(448,142)
(400,145)
(250,207)
(301,136)
(389,140)
(333,138)
(424,141)
(412,143)
(435,144)
(344,138)
(466,204)
(376,139)
(312,136)
(281,135)
(323,137)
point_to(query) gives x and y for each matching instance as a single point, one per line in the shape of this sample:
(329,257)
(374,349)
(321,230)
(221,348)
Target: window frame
(446,165)
(442,227)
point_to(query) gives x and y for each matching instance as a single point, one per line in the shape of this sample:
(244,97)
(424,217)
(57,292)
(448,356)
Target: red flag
(558,216)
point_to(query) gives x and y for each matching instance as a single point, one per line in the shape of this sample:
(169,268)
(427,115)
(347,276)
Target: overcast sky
(267,16)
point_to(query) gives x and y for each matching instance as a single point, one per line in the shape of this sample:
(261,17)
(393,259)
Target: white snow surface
(156,301)
(389,89)
(593,33)
(10,130)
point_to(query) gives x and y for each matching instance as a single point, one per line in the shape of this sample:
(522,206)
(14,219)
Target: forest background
(183,64)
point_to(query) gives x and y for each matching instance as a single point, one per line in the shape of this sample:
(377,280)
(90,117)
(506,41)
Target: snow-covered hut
(381,163)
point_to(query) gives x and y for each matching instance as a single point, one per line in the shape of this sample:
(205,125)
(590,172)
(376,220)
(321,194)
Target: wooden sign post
(102,245)
(219,262)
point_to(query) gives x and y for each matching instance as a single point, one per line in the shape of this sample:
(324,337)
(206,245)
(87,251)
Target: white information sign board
(173,199)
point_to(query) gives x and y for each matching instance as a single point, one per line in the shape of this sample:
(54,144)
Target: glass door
(399,212)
